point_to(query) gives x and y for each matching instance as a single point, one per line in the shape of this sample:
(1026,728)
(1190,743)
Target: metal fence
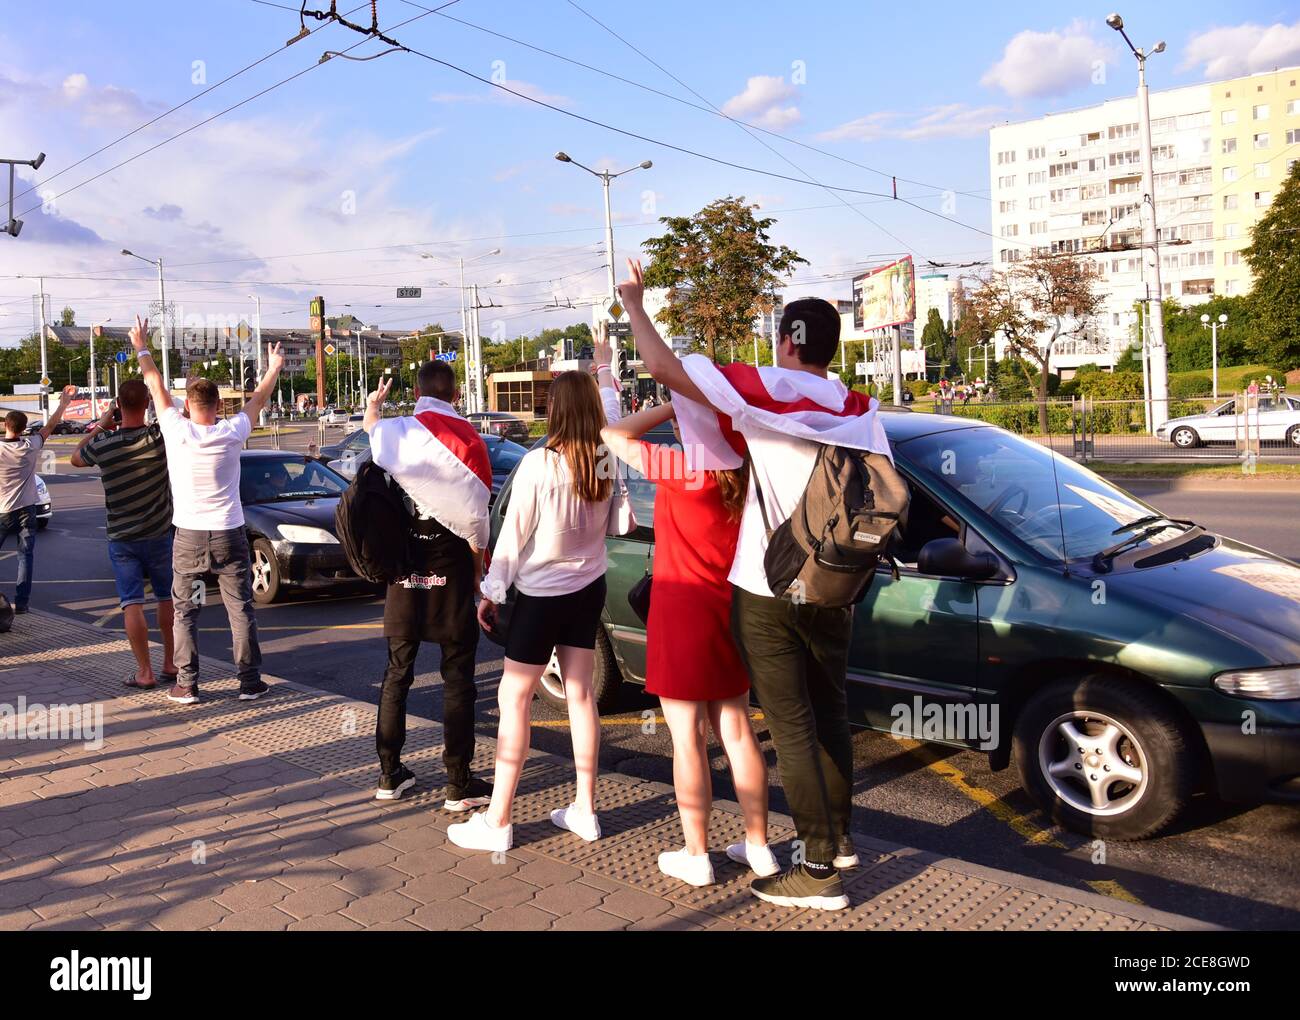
(1233,427)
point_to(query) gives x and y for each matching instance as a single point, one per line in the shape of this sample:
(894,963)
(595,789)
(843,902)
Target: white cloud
(75,85)
(952,120)
(1038,64)
(1243,49)
(761,103)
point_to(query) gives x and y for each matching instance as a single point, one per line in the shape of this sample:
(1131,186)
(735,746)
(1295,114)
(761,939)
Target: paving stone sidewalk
(235,815)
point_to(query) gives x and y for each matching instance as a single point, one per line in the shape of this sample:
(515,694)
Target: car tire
(265,573)
(1137,732)
(1293,436)
(42,523)
(606,680)
(1185,438)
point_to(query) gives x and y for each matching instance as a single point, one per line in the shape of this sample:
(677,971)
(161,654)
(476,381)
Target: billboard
(885,296)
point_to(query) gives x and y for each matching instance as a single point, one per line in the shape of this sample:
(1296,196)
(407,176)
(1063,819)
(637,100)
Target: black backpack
(847,519)
(6,615)
(373,526)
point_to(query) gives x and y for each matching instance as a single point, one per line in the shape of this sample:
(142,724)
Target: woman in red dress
(691,660)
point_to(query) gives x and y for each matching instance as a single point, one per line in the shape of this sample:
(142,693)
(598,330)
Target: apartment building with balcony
(1070,184)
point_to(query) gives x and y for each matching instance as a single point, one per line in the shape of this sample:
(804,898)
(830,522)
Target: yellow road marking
(1004,813)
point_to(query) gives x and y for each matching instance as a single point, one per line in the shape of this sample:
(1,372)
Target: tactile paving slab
(333,737)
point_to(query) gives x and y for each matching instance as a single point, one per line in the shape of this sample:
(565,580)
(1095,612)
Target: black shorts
(540,623)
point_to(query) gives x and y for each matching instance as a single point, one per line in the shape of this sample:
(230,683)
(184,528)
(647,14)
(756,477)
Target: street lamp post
(1150,236)
(162,310)
(257,302)
(1214,325)
(605,177)
(473,342)
(94,381)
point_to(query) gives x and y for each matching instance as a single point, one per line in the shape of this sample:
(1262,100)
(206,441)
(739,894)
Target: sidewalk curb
(864,841)
(1246,483)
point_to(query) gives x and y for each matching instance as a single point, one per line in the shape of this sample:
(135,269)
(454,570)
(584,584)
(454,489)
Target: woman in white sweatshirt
(551,549)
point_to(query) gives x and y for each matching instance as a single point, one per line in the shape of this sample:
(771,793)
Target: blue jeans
(135,559)
(22,521)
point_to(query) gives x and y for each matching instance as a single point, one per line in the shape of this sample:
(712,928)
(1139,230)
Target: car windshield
(1060,509)
(278,479)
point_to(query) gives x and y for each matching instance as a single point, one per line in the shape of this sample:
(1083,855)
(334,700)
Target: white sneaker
(687,867)
(478,834)
(579,823)
(757,857)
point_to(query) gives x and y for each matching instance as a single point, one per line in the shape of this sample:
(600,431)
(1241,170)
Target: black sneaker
(846,855)
(798,888)
(392,787)
(19,610)
(183,695)
(253,691)
(472,794)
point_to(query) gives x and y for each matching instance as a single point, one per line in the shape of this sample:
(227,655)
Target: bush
(1190,385)
(1111,386)
(1019,418)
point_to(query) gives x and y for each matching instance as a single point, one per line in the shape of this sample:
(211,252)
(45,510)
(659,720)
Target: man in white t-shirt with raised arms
(203,462)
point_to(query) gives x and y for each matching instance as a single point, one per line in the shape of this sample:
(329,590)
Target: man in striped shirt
(137,495)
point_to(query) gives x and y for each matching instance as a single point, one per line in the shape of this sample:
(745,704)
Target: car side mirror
(947,557)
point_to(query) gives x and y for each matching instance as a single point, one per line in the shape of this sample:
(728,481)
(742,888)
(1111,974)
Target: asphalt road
(1227,864)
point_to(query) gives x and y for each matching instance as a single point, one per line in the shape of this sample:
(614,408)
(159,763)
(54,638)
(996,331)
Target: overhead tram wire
(178,106)
(235,106)
(692,152)
(767,145)
(685,102)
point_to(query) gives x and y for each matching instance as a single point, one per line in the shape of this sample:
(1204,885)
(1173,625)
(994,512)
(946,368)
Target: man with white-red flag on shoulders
(780,418)
(441,464)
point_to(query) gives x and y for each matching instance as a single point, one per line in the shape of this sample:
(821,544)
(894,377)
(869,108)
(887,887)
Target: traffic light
(250,376)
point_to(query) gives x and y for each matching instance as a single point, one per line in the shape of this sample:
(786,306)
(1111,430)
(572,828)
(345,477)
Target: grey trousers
(225,554)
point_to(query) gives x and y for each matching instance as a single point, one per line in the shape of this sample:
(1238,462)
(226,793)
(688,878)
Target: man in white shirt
(203,462)
(18,460)
(796,654)
(441,464)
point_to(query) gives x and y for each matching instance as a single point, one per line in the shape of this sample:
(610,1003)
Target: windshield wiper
(1101,562)
(1151,519)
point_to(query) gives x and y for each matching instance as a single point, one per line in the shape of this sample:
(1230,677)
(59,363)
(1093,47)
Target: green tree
(1274,260)
(67,317)
(1033,304)
(720,272)
(939,344)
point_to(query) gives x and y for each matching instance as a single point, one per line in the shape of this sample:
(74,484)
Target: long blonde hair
(576,417)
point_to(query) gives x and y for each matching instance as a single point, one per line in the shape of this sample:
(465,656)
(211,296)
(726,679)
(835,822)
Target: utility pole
(475,382)
(1159,369)
(257,301)
(45,374)
(898,364)
(606,176)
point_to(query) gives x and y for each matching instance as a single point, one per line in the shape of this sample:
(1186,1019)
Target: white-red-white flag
(441,462)
(744,400)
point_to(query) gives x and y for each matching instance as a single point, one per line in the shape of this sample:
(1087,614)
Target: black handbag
(638,596)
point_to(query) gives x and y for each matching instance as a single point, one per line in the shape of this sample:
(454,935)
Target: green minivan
(1125,661)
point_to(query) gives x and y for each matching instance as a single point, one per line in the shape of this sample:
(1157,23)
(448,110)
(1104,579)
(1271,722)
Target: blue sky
(400,155)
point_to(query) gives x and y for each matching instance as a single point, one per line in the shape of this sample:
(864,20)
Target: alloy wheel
(1093,762)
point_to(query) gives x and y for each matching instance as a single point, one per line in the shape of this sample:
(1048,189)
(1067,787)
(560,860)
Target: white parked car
(1277,418)
(352,423)
(44,505)
(333,416)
